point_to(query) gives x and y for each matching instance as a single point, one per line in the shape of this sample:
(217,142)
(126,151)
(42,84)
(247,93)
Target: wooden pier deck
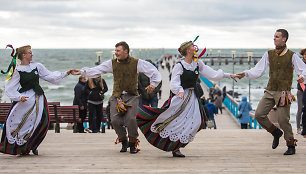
(226,150)
(229,151)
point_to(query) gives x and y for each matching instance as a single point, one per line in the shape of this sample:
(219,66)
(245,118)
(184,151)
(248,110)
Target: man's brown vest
(281,71)
(125,77)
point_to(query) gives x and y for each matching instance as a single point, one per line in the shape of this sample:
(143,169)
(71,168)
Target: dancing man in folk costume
(124,101)
(176,123)
(281,62)
(28,120)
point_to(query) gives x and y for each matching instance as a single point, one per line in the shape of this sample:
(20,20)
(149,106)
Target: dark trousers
(95,116)
(153,102)
(220,108)
(304,113)
(82,115)
(244,125)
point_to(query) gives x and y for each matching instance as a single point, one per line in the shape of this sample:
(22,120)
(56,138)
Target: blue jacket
(212,110)
(244,107)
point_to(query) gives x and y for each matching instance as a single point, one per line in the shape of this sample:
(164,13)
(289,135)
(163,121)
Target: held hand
(150,89)
(69,71)
(233,76)
(181,95)
(300,79)
(23,98)
(240,75)
(76,72)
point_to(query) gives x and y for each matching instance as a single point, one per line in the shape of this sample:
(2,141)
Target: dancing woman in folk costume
(28,119)
(176,123)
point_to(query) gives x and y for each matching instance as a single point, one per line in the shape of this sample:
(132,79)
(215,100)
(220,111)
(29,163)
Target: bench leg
(57,128)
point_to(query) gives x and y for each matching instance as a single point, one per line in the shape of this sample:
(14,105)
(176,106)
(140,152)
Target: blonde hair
(22,50)
(184,46)
(92,85)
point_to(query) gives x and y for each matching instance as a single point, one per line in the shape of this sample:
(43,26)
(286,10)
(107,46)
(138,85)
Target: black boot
(124,146)
(35,152)
(177,153)
(133,148)
(290,151)
(277,133)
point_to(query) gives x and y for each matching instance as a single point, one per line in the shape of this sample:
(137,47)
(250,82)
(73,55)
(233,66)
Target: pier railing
(232,105)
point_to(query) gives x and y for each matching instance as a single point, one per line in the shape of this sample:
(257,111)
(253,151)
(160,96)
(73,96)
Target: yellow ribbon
(196,59)
(10,74)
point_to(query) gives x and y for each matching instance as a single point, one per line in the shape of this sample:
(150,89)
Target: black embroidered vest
(30,80)
(189,79)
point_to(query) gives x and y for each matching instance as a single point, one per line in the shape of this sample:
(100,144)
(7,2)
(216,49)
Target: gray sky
(150,23)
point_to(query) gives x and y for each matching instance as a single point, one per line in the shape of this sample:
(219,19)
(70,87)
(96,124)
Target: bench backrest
(53,109)
(66,113)
(4,109)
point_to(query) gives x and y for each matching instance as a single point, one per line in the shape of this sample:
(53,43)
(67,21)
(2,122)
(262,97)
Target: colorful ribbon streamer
(11,68)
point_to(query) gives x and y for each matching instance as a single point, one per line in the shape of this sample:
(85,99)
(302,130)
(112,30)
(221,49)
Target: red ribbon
(302,86)
(11,46)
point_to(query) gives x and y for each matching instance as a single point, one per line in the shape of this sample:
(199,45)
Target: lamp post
(113,54)
(99,55)
(250,54)
(219,57)
(233,56)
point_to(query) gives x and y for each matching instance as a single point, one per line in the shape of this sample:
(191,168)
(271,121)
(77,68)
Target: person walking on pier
(143,82)
(244,109)
(299,96)
(176,123)
(124,101)
(80,99)
(28,119)
(95,89)
(303,53)
(281,62)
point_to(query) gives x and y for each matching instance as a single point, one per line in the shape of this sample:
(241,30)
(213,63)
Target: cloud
(149,23)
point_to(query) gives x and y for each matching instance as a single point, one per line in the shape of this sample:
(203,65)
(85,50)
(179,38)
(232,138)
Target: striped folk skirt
(146,116)
(33,141)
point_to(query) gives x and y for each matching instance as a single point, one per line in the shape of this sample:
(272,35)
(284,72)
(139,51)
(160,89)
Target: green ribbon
(12,64)
(196,39)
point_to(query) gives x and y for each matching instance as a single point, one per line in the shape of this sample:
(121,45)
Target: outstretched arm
(103,68)
(54,77)
(258,70)
(211,74)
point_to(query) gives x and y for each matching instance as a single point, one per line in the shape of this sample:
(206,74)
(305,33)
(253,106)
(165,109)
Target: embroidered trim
(160,127)
(286,98)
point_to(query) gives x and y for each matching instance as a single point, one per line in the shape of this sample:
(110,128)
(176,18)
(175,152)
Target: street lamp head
(99,53)
(113,54)
(219,53)
(250,54)
(233,54)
